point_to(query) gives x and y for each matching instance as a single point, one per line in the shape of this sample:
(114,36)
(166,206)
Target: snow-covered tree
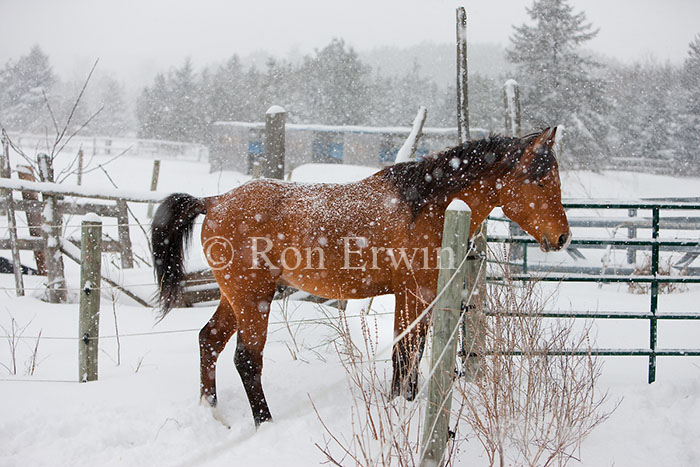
(115,118)
(223,90)
(336,82)
(173,108)
(644,114)
(689,135)
(23,84)
(556,77)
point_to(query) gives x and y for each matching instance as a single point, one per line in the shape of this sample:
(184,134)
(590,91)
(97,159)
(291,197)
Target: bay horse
(349,241)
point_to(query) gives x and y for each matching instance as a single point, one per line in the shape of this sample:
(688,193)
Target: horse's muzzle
(561,243)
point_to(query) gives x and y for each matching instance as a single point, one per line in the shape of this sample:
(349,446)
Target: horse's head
(530,194)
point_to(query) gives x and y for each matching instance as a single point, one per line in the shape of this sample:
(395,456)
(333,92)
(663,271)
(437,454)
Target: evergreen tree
(394,101)
(23,84)
(336,83)
(644,112)
(153,109)
(485,103)
(689,135)
(557,86)
(223,88)
(174,107)
(114,119)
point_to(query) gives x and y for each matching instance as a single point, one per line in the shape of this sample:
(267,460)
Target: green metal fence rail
(654,279)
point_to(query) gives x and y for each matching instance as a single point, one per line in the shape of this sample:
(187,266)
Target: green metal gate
(654,279)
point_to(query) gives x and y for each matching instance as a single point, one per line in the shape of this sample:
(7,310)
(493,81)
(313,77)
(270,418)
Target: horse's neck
(481,197)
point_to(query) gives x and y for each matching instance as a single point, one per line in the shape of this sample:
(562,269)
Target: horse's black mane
(453,169)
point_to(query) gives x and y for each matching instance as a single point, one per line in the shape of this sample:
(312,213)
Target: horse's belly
(337,284)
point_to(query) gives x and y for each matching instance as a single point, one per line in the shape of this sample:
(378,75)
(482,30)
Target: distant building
(237,145)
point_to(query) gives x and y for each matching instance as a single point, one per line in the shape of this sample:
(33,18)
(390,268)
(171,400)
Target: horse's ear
(546,138)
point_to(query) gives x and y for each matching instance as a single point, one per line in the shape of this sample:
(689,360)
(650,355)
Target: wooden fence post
(52,230)
(473,330)
(80,166)
(273,161)
(446,318)
(462,78)
(25,172)
(89,320)
(5,172)
(154,184)
(127,255)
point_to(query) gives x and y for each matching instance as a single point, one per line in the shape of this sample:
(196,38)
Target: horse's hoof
(260,420)
(206,402)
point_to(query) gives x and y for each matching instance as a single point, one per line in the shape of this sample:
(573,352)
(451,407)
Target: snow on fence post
(407,152)
(154,184)
(5,172)
(462,78)
(89,319)
(446,319)
(273,161)
(52,229)
(511,102)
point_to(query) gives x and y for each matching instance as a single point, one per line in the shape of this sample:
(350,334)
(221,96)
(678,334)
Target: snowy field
(145,411)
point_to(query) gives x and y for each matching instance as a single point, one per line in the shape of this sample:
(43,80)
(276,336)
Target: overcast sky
(137,37)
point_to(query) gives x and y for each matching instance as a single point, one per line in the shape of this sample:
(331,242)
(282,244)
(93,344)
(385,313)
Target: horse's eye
(540,185)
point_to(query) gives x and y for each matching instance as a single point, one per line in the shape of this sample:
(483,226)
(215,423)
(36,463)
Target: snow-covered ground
(144,410)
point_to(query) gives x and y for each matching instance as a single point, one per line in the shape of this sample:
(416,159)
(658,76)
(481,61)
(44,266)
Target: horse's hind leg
(212,340)
(253,313)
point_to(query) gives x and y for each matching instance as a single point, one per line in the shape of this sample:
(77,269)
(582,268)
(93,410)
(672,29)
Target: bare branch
(72,135)
(48,106)
(75,106)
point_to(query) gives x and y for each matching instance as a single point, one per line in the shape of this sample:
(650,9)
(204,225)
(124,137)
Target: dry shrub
(665,269)
(536,399)
(385,431)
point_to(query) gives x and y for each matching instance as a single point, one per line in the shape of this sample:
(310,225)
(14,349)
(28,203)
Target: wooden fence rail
(45,220)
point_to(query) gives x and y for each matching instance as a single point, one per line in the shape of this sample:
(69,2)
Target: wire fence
(317,320)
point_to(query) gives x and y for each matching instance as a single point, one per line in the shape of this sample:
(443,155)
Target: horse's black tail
(170,233)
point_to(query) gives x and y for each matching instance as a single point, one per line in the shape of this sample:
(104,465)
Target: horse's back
(308,235)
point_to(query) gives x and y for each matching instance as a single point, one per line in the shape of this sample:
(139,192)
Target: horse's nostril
(562,241)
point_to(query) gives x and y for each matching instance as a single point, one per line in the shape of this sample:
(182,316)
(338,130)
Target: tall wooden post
(273,163)
(462,78)
(511,103)
(446,318)
(52,230)
(5,172)
(89,320)
(154,184)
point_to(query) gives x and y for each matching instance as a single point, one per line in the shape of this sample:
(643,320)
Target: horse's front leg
(407,352)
